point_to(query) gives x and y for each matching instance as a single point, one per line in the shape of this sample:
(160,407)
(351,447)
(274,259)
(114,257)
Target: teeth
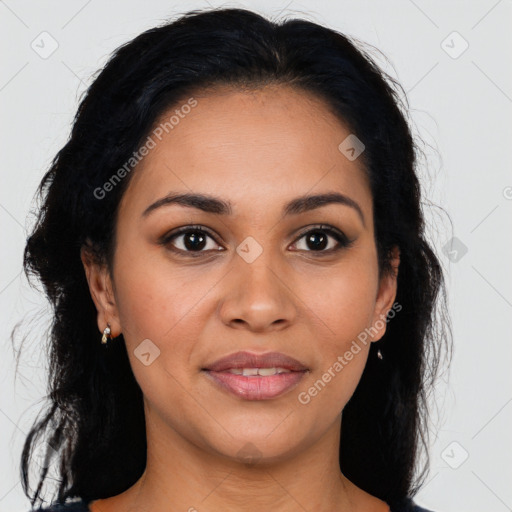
(267,371)
(248,372)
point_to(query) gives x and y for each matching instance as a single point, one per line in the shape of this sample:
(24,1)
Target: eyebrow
(212,204)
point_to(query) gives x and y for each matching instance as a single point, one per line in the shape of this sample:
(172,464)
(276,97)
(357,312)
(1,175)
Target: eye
(323,239)
(194,241)
(190,239)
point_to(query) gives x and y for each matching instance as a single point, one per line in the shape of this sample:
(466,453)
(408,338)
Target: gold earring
(106,333)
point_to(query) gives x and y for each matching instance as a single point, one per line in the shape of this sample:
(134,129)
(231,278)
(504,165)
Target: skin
(257,149)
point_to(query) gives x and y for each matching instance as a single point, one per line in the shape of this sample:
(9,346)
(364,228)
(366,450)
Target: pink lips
(245,359)
(256,387)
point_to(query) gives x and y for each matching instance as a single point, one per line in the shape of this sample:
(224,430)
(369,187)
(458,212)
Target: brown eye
(190,240)
(323,239)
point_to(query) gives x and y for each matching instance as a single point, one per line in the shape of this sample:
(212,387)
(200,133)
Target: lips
(245,359)
(282,374)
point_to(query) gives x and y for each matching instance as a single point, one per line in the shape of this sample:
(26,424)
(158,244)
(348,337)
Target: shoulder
(408,505)
(70,505)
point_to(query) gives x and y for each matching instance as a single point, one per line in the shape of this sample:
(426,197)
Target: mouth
(256,376)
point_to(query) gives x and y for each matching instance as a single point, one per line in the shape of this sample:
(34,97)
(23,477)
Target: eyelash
(340,237)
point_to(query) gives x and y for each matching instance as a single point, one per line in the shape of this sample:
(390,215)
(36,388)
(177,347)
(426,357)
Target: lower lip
(256,387)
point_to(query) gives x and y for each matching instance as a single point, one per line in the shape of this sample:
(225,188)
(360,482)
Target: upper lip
(244,359)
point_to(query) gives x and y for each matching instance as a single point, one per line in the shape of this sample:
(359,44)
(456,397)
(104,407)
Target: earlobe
(101,290)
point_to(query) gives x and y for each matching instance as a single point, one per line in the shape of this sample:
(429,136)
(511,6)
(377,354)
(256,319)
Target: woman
(233,243)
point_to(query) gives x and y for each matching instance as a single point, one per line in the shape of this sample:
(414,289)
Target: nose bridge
(259,276)
(257,297)
(257,268)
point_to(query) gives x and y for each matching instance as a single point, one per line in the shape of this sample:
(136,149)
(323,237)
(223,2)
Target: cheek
(341,306)
(155,297)
(342,345)
(341,302)
(169,307)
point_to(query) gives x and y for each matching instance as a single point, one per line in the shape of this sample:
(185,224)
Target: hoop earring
(106,334)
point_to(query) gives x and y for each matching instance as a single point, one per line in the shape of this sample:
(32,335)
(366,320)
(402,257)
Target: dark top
(78,505)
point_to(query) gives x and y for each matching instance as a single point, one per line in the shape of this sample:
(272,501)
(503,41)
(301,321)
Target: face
(268,274)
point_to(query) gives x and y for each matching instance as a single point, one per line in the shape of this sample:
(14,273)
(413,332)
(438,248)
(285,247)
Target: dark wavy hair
(94,418)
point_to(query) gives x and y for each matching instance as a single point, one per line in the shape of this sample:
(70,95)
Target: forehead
(251,146)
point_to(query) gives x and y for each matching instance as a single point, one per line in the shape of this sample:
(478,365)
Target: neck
(181,475)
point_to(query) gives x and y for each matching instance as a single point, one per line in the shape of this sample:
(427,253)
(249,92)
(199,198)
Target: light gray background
(460,106)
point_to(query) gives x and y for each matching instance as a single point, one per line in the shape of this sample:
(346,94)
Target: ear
(385,296)
(101,289)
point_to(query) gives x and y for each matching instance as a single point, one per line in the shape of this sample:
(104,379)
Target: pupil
(193,239)
(313,238)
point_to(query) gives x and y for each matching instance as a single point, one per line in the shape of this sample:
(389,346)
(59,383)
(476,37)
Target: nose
(258,296)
